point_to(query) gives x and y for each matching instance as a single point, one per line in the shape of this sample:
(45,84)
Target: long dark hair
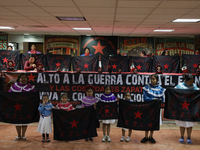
(106,87)
(87,48)
(33,57)
(163,53)
(143,52)
(155,75)
(188,76)
(18,78)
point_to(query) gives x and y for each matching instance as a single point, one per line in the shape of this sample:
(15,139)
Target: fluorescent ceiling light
(71,18)
(186,20)
(164,30)
(26,34)
(3,27)
(82,28)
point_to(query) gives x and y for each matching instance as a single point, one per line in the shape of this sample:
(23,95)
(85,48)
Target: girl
(187,84)
(87,52)
(89,100)
(31,64)
(64,104)
(152,91)
(143,54)
(107,97)
(33,50)
(21,86)
(44,126)
(127,97)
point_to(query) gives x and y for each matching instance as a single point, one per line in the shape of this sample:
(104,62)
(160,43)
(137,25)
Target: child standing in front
(44,126)
(107,97)
(89,100)
(127,97)
(64,104)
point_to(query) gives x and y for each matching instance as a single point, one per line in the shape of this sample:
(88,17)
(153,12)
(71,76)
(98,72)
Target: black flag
(182,104)
(53,61)
(104,62)
(6,55)
(40,58)
(86,63)
(119,62)
(170,64)
(191,61)
(142,64)
(106,111)
(74,125)
(139,116)
(19,108)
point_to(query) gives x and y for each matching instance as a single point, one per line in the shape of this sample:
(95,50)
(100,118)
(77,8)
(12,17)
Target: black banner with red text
(169,64)
(55,83)
(106,111)
(19,108)
(6,55)
(74,125)
(182,104)
(192,62)
(139,116)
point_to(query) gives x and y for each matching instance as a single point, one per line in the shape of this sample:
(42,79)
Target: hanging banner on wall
(175,46)
(3,41)
(106,45)
(55,83)
(132,46)
(192,62)
(67,44)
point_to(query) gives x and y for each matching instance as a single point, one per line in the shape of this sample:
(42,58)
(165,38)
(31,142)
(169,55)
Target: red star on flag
(185,105)
(195,65)
(114,66)
(166,66)
(138,114)
(86,65)
(5,60)
(17,107)
(74,123)
(58,64)
(31,77)
(98,48)
(107,110)
(139,67)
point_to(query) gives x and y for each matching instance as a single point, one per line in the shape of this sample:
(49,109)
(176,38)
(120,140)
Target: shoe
(104,138)
(144,140)
(91,139)
(189,141)
(151,139)
(48,140)
(122,139)
(108,138)
(128,139)
(181,140)
(24,138)
(43,140)
(17,138)
(86,139)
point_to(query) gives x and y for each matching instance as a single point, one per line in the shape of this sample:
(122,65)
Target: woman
(143,54)
(31,64)
(196,52)
(33,50)
(21,86)
(152,91)
(165,52)
(187,84)
(87,52)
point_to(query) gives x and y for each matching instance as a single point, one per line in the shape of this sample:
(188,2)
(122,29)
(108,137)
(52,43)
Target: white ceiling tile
(66,14)
(61,9)
(25,9)
(138,3)
(164,11)
(134,10)
(179,4)
(131,16)
(16,3)
(53,2)
(96,10)
(95,3)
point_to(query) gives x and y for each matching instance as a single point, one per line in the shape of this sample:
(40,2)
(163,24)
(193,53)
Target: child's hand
(118,99)
(95,105)
(155,99)
(82,106)
(67,110)
(43,103)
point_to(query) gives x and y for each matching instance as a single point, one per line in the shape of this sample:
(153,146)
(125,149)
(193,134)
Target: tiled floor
(167,139)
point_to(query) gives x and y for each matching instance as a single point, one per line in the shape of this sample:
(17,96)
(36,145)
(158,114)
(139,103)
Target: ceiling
(105,17)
